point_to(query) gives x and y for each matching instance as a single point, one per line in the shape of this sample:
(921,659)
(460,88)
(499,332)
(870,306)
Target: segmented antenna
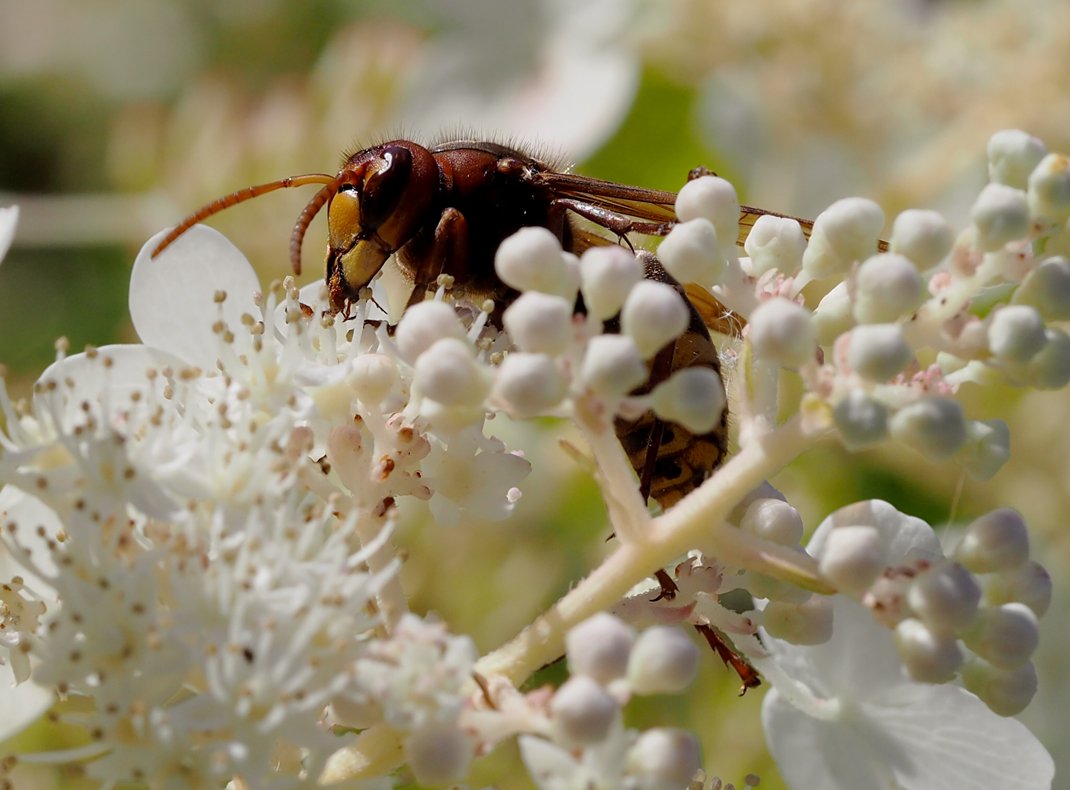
(332,184)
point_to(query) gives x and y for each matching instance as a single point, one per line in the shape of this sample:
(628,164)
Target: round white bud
(783,333)
(373,377)
(1029,584)
(612,366)
(1012,156)
(933,426)
(775,243)
(583,710)
(924,237)
(439,753)
(449,374)
(607,275)
(599,647)
(1049,188)
(1000,215)
(1047,288)
(1005,636)
(878,352)
(664,759)
(653,315)
(692,397)
(539,322)
(663,661)
(888,286)
(1005,692)
(774,520)
(929,656)
(423,324)
(532,260)
(997,541)
(1016,333)
(861,420)
(845,232)
(807,623)
(692,253)
(711,198)
(529,384)
(1050,368)
(945,596)
(853,558)
(834,314)
(987,448)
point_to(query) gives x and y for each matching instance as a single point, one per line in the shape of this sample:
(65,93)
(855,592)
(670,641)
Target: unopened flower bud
(877,352)
(1016,333)
(711,198)
(861,420)
(783,333)
(775,243)
(612,365)
(1012,156)
(933,426)
(807,623)
(1050,368)
(663,661)
(583,710)
(834,314)
(987,448)
(924,237)
(599,647)
(532,260)
(853,558)
(529,384)
(845,232)
(774,520)
(373,376)
(929,656)
(692,397)
(608,274)
(945,596)
(1029,584)
(539,322)
(664,759)
(439,753)
(449,374)
(1005,636)
(653,315)
(423,325)
(1000,215)
(692,253)
(997,541)
(1005,692)
(1047,288)
(1049,188)
(888,286)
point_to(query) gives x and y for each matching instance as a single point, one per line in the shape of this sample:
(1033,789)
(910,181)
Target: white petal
(20,508)
(9,217)
(857,664)
(83,378)
(812,753)
(172,297)
(903,537)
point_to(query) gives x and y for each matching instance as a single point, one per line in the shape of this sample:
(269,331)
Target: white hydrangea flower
(844,714)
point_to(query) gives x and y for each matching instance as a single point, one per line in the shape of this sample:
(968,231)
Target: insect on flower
(445,209)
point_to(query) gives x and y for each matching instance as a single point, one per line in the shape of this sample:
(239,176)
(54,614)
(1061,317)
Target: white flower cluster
(198,530)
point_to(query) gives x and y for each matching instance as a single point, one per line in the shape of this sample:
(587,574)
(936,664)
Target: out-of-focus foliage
(118,117)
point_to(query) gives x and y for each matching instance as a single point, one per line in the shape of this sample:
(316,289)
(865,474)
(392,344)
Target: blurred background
(119,117)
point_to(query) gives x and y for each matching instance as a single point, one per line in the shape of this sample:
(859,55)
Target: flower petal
(9,218)
(173,297)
